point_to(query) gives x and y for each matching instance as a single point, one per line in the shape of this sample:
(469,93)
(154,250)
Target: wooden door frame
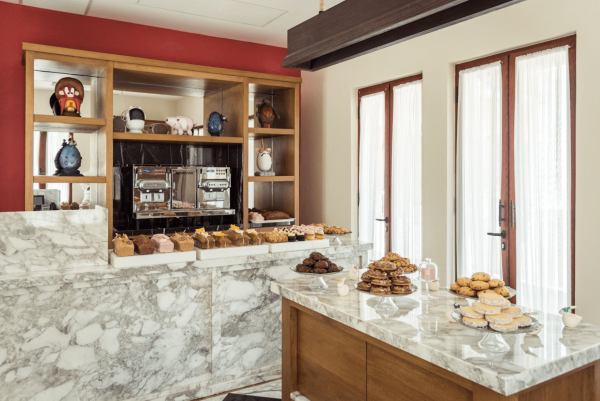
(508,116)
(386,88)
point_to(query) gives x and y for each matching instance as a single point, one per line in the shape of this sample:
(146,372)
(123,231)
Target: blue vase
(214,124)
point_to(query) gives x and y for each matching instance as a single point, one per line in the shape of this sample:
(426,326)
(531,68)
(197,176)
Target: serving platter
(293,268)
(318,283)
(512,292)
(535,324)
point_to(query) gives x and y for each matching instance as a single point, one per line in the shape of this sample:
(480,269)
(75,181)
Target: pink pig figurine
(181,125)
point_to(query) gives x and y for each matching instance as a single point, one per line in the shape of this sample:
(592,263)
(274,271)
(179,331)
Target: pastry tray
(231,252)
(535,324)
(293,268)
(298,245)
(123,262)
(511,291)
(413,287)
(290,220)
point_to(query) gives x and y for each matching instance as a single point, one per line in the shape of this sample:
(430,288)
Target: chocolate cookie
(321,264)
(382,283)
(316,256)
(380,290)
(308,262)
(363,286)
(303,269)
(402,280)
(366,277)
(401,289)
(333,268)
(319,271)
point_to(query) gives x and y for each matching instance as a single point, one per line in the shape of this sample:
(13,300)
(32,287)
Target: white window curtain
(371,178)
(406,171)
(542,179)
(479,170)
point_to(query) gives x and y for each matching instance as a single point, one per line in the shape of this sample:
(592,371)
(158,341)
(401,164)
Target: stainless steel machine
(151,191)
(214,191)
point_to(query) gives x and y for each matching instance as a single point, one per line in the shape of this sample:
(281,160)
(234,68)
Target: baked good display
(255,239)
(499,318)
(221,240)
(522,321)
(162,243)
(331,230)
(318,263)
(474,322)
(203,240)
(492,299)
(486,309)
(123,246)
(237,236)
(182,242)
(274,237)
(469,311)
(479,283)
(143,245)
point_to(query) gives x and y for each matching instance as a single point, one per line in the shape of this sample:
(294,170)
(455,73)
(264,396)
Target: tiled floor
(270,389)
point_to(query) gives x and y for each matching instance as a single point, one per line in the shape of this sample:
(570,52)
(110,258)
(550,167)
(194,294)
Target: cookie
(402,280)
(366,277)
(381,283)
(454,287)
(385,266)
(464,281)
(468,311)
(481,276)
(496,283)
(395,273)
(522,321)
(499,318)
(308,262)
(513,311)
(502,291)
(401,289)
(486,309)
(484,291)
(377,274)
(380,290)
(474,322)
(505,328)
(479,285)
(492,299)
(466,291)
(363,286)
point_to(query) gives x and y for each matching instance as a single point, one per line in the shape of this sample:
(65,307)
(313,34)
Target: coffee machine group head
(214,190)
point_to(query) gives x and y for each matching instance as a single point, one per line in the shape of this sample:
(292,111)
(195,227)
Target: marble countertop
(105,274)
(421,329)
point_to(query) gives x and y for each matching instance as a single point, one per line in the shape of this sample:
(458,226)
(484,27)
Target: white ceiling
(259,21)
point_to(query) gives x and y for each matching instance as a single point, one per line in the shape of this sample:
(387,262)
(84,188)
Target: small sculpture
(264,161)
(214,124)
(266,114)
(68,159)
(570,319)
(343,289)
(135,119)
(181,125)
(68,92)
(87,194)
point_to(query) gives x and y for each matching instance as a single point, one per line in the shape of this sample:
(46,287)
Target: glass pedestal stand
(494,343)
(386,308)
(335,240)
(426,296)
(318,283)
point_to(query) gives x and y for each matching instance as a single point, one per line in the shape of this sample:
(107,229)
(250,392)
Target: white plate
(123,262)
(233,251)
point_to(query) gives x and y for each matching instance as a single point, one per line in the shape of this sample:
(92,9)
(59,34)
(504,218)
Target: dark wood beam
(313,50)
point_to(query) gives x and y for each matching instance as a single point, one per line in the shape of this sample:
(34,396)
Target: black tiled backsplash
(126,154)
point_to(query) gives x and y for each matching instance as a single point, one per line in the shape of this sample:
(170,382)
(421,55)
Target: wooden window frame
(508,93)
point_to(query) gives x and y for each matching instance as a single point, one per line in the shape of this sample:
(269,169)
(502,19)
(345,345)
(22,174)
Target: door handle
(500,234)
(512,214)
(500,219)
(385,220)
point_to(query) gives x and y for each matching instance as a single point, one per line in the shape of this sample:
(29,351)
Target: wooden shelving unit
(231,92)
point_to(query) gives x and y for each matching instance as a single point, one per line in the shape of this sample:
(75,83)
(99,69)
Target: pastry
(496,283)
(522,321)
(395,273)
(317,256)
(363,286)
(333,268)
(122,246)
(505,328)
(319,234)
(380,282)
(308,262)
(274,215)
(474,322)
(401,289)
(322,264)
(499,318)
(492,299)
(479,285)
(143,245)
(221,241)
(402,280)
(237,237)
(202,240)
(513,311)
(183,242)
(378,274)
(291,236)
(320,271)
(274,237)
(380,290)
(162,243)
(503,291)
(303,269)
(469,311)
(466,291)
(486,309)
(464,281)
(254,238)
(481,277)
(385,266)
(65,206)
(366,277)
(454,287)
(74,206)
(484,291)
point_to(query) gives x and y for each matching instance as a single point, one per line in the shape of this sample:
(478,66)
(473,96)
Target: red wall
(20,24)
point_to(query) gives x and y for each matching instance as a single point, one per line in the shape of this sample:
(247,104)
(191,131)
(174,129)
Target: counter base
(326,360)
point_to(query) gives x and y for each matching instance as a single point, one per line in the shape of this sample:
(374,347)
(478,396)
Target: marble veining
(52,240)
(421,329)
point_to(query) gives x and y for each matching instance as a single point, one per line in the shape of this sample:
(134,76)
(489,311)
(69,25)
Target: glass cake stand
(318,283)
(493,340)
(386,307)
(336,239)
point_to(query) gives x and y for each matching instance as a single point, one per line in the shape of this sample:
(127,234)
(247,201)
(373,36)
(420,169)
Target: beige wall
(329,125)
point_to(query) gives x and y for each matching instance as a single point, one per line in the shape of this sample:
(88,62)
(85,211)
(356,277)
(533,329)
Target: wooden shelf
(84,125)
(269,132)
(47,179)
(183,139)
(277,178)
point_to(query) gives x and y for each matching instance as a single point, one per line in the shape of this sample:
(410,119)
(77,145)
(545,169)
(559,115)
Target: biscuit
(473,322)
(484,291)
(492,299)
(464,281)
(513,311)
(454,287)
(502,291)
(403,289)
(381,283)
(522,321)
(504,328)
(486,309)
(381,290)
(496,283)
(479,285)
(499,318)
(468,311)
(466,291)
(481,276)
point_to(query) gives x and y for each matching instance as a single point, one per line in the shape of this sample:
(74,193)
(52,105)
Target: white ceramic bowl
(135,126)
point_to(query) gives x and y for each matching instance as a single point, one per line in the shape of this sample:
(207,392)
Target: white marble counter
(531,360)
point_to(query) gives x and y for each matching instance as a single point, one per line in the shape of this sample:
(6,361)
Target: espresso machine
(151,192)
(214,191)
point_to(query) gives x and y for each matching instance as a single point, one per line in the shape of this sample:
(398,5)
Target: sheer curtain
(371,178)
(542,179)
(479,170)
(406,171)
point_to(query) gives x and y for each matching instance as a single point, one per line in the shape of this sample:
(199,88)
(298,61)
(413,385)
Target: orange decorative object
(69,92)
